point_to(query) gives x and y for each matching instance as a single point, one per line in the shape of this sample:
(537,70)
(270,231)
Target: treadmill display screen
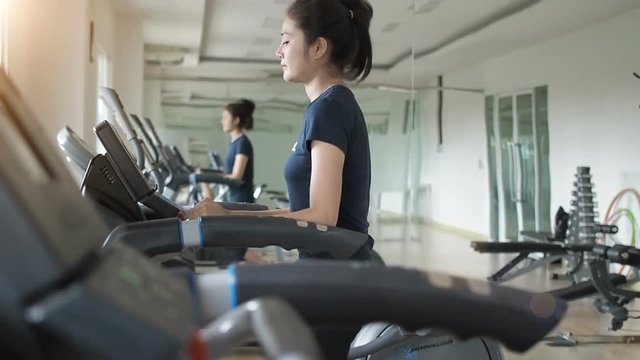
(14,137)
(129,172)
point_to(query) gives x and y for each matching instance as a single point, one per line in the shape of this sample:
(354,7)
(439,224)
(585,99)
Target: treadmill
(72,301)
(181,174)
(61,297)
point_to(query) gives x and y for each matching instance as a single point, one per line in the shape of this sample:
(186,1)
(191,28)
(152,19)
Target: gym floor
(432,249)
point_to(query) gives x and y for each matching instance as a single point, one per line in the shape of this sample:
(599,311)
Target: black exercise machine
(72,299)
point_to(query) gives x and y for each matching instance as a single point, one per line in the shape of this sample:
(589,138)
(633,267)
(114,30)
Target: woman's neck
(320,84)
(235,134)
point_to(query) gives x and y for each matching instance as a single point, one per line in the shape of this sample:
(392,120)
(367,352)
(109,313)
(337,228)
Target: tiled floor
(430,249)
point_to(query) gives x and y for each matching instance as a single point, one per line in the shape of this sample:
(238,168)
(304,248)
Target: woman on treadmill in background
(328,173)
(238,164)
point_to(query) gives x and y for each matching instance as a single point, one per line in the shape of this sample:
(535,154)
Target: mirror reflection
(188,99)
(474,99)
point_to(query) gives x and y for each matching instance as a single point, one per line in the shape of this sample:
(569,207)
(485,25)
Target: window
(4,8)
(103,74)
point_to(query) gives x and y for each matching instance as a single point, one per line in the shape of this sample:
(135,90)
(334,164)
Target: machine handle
(170,235)
(330,293)
(152,237)
(139,153)
(516,173)
(621,254)
(112,100)
(276,325)
(147,138)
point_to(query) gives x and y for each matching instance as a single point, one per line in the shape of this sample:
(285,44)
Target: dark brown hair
(243,110)
(345,25)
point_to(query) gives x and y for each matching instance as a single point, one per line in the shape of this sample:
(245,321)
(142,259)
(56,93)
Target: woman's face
(227,121)
(293,53)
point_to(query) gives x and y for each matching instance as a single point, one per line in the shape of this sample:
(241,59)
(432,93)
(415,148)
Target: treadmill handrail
(147,137)
(74,147)
(278,328)
(171,235)
(154,134)
(528,247)
(110,96)
(349,294)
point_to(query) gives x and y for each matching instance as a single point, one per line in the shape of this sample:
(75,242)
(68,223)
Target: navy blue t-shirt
(244,193)
(335,118)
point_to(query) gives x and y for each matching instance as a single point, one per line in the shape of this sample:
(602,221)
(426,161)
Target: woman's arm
(239,166)
(325,191)
(208,207)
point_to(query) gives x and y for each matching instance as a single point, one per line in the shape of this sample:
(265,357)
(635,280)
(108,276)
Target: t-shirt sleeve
(245,148)
(329,124)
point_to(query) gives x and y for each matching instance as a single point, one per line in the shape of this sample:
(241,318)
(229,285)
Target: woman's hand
(207,207)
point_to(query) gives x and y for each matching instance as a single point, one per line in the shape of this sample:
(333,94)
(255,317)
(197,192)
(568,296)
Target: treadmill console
(75,148)
(48,230)
(138,186)
(108,304)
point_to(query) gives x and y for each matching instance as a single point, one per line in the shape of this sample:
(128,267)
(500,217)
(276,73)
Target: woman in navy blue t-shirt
(238,164)
(323,44)
(236,118)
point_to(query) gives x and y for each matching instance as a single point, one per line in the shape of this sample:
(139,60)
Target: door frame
(499,161)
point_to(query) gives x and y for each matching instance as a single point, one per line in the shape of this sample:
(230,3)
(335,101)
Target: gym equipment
(74,301)
(180,173)
(613,298)
(162,236)
(61,298)
(170,234)
(76,150)
(582,230)
(118,188)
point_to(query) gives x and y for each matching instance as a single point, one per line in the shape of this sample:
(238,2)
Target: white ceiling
(207,52)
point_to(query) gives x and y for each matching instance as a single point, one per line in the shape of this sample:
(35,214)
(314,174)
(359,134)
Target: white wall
(49,59)
(128,66)
(152,102)
(104,23)
(593,119)
(47,56)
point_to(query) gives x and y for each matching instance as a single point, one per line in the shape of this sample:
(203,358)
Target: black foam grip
(332,293)
(210,171)
(150,237)
(243,206)
(253,231)
(516,247)
(585,288)
(623,254)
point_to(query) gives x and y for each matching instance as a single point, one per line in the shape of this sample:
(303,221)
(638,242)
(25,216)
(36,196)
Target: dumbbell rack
(582,222)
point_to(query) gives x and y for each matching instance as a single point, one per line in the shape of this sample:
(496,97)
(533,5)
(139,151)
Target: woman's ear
(319,48)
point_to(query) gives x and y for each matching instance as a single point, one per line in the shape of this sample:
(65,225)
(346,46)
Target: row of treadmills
(78,281)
